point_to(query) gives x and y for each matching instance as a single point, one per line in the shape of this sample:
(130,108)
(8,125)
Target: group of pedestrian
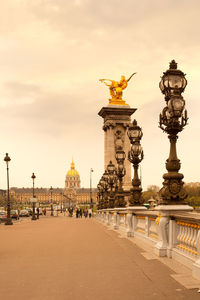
(80,212)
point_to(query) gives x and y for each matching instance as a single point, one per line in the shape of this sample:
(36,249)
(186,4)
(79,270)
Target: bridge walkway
(62,258)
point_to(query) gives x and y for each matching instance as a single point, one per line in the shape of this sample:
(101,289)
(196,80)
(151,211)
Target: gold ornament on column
(116,89)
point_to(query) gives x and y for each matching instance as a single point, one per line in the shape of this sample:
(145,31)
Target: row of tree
(192,189)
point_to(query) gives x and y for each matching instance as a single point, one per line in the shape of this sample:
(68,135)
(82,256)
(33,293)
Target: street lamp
(173,81)
(172,121)
(99,196)
(8,220)
(91,202)
(135,156)
(112,182)
(33,214)
(121,172)
(105,187)
(51,191)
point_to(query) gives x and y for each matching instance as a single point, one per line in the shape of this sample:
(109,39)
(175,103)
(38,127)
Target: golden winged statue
(116,88)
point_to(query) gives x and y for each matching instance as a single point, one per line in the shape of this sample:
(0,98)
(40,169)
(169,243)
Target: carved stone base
(162,247)
(135,197)
(111,202)
(116,101)
(172,191)
(160,250)
(119,200)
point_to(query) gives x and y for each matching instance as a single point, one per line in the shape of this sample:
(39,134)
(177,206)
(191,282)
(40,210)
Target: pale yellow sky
(52,54)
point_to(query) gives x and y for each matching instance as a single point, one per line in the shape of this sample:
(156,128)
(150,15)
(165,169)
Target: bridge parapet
(178,235)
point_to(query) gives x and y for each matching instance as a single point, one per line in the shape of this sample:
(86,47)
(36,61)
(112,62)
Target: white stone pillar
(108,218)
(164,245)
(196,265)
(130,225)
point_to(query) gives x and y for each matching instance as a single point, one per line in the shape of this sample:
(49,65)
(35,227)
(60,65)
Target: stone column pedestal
(116,121)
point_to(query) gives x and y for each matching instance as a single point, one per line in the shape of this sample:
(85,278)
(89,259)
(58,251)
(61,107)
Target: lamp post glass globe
(136,149)
(176,105)
(134,132)
(111,167)
(173,81)
(120,155)
(7,159)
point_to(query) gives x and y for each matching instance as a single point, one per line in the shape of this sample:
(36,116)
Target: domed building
(72,180)
(71,195)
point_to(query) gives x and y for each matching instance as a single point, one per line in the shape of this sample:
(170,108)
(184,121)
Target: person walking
(77,212)
(90,212)
(70,210)
(85,212)
(38,212)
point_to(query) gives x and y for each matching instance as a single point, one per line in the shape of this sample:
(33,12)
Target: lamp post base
(119,200)
(111,202)
(9,221)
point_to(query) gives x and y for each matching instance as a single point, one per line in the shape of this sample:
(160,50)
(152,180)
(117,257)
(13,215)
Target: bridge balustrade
(182,232)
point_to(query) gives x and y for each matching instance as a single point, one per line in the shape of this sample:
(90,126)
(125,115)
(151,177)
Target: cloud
(52,54)
(48,112)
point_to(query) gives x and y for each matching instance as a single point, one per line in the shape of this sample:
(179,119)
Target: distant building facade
(72,194)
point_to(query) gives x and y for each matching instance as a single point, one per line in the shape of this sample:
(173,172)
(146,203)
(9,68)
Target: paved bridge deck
(64,258)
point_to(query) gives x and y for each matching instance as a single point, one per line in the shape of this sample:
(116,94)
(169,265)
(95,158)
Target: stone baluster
(115,220)
(147,225)
(108,218)
(130,231)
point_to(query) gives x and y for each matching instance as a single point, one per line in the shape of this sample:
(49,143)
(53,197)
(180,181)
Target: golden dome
(72,171)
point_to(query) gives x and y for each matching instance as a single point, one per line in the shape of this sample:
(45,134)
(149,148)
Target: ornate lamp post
(33,214)
(51,191)
(8,220)
(101,192)
(112,181)
(135,156)
(99,202)
(105,187)
(172,121)
(121,172)
(91,202)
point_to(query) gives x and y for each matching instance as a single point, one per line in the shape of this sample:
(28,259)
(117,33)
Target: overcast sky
(52,53)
